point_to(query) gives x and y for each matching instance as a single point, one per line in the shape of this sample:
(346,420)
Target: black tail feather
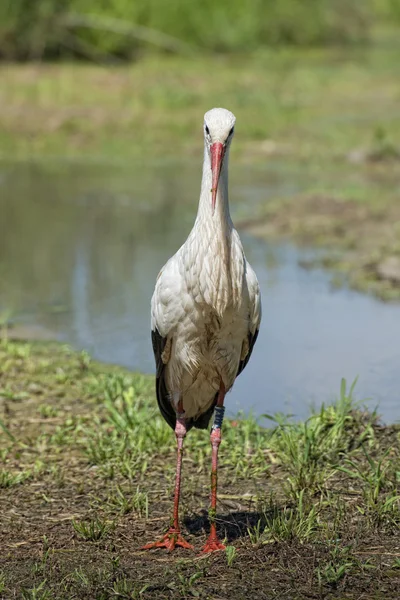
(168,412)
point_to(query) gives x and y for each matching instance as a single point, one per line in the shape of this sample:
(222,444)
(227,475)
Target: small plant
(7,431)
(396,563)
(230,552)
(16,350)
(288,523)
(36,593)
(384,509)
(376,476)
(11,395)
(47,410)
(332,573)
(84,360)
(340,563)
(40,566)
(93,530)
(255,533)
(9,479)
(186,583)
(61,376)
(123,588)
(80,577)
(125,502)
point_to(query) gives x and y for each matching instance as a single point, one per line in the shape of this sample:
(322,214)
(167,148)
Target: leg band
(218,417)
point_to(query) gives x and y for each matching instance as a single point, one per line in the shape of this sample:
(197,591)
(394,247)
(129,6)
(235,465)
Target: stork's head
(219,125)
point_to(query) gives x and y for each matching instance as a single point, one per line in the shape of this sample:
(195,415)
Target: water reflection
(80,248)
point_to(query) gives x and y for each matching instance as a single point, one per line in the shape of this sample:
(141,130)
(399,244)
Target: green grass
(38,592)
(94,471)
(92,530)
(280,524)
(8,479)
(290,104)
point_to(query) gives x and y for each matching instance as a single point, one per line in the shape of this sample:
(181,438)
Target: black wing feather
(163,398)
(252,337)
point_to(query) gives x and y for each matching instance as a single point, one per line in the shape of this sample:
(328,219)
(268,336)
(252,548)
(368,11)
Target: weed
(124,444)
(341,562)
(396,563)
(123,588)
(7,431)
(80,576)
(93,530)
(286,523)
(11,395)
(16,350)
(47,410)
(230,552)
(126,501)
(9,479)
(385,509)
(40,567)
(375,477)
(187,583)
(255,533)
(299,523)
(339,565)
(84,360)
(36,593)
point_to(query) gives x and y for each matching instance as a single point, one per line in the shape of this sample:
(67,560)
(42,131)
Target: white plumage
(206,307)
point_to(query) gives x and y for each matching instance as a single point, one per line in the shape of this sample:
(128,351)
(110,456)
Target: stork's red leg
(213,542)
(173,537)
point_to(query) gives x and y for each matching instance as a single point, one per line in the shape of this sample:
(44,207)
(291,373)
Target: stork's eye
(207,130)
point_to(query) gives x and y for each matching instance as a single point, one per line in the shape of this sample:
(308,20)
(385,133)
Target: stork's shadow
(232,526)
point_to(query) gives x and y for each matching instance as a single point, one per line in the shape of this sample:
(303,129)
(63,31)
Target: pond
(81,246)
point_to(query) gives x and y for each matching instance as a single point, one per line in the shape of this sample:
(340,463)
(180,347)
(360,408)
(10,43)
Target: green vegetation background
(65,28)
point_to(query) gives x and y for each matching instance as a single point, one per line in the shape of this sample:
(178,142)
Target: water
(81,246)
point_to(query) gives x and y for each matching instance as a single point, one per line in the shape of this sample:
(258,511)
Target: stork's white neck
(214,260)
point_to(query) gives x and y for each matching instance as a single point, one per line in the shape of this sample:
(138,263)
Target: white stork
(205,317)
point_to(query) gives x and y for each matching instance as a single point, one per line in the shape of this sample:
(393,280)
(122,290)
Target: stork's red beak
(217,157)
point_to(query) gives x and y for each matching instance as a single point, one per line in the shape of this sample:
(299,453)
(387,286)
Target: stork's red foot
(170,540)
(213,545)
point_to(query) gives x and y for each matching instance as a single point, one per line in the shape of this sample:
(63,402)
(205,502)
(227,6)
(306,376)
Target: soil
(39,543)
